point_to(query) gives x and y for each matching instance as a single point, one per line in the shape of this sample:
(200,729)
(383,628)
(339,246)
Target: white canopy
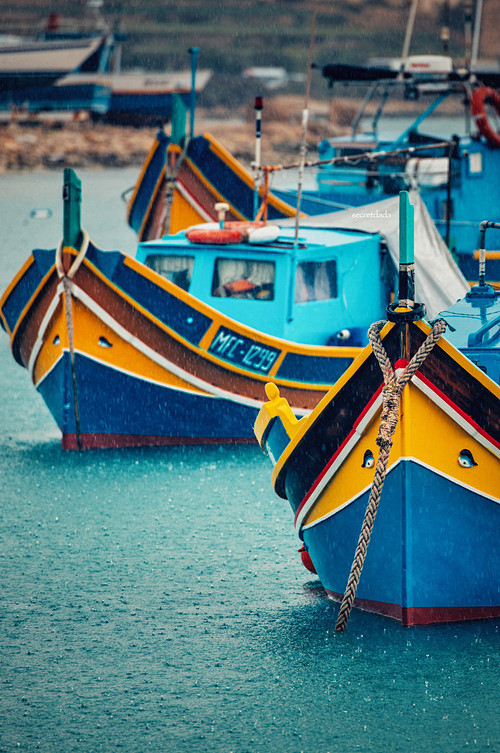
(438,280)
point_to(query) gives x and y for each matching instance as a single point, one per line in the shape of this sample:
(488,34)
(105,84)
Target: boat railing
(479,339)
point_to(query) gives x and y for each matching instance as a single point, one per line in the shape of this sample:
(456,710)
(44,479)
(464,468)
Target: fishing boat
(457,179)
(410,433)
(454,166)
(62,67)
(144,98)
(174,346)
(27,65)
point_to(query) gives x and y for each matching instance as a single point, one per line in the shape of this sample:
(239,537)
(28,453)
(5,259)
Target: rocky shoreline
(53,143)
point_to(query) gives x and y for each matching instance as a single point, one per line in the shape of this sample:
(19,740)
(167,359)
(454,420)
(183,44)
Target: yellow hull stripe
(426,433)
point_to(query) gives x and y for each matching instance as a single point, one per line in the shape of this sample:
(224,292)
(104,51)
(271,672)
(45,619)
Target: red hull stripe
(333,458)
(456,408)
(409,616)
(117,441)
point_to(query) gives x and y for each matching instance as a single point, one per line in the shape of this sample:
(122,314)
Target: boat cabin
(324,290)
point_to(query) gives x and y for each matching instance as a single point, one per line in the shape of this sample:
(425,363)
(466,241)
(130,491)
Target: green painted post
(406,229)
(406,251)
(179,111)
(192,107)
(72,200)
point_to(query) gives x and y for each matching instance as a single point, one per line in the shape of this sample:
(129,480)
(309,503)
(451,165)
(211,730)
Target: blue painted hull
(423,563)
(117,409)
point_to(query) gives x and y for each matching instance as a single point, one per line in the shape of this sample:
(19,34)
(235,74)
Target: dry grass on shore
(50,142)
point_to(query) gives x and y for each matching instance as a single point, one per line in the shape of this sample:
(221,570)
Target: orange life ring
(219,236)
(234,231)
(479,98)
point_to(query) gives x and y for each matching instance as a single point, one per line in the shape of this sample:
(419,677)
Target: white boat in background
(142,97)
(29,63)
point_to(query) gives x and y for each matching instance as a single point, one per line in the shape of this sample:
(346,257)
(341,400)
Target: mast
(477,33)
(305,120)
(468,32)
(409,33)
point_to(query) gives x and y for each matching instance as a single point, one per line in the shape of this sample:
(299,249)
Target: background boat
(27,65)
(455,169)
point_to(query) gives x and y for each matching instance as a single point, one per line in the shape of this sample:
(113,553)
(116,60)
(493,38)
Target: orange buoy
(482,96)
(306,560)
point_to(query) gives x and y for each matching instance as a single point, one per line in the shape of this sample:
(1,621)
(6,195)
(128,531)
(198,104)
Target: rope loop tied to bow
(393,387)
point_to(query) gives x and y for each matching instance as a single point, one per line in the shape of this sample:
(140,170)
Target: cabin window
(244,278)
(176,269)
(315,281)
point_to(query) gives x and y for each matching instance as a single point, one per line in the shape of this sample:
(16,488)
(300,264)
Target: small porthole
(466,459)
(368,460)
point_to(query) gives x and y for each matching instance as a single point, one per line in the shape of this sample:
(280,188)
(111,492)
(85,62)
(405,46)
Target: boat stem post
(406,310)
(406,251)
(72,237)
(72,200)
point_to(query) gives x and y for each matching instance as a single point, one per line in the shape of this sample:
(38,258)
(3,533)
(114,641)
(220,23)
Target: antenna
(194,60)
(408,35)
(468,32)
(477,33)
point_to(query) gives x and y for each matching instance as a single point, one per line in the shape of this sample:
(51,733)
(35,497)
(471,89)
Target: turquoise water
(154,600)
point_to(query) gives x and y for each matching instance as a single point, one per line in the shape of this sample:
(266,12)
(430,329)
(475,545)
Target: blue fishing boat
(410,433)
(28,68)
(61,68)
(174,346)
(455,166)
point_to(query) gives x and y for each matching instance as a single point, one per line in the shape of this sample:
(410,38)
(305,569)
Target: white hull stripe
(443,405)
(451,479)
(209,389)
(331,470)
(192,201)
(43,328)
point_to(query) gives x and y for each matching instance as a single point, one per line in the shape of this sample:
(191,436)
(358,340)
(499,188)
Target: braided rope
(68,307)
(393,387)
(68,300)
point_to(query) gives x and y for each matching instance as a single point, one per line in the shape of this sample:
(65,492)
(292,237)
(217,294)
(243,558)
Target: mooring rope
(67,280)
(393,387)
(170,184)
(68,298)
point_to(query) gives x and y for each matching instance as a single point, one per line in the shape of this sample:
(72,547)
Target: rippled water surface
(154,599)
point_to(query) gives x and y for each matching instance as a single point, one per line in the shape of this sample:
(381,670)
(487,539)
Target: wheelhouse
(297,291)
